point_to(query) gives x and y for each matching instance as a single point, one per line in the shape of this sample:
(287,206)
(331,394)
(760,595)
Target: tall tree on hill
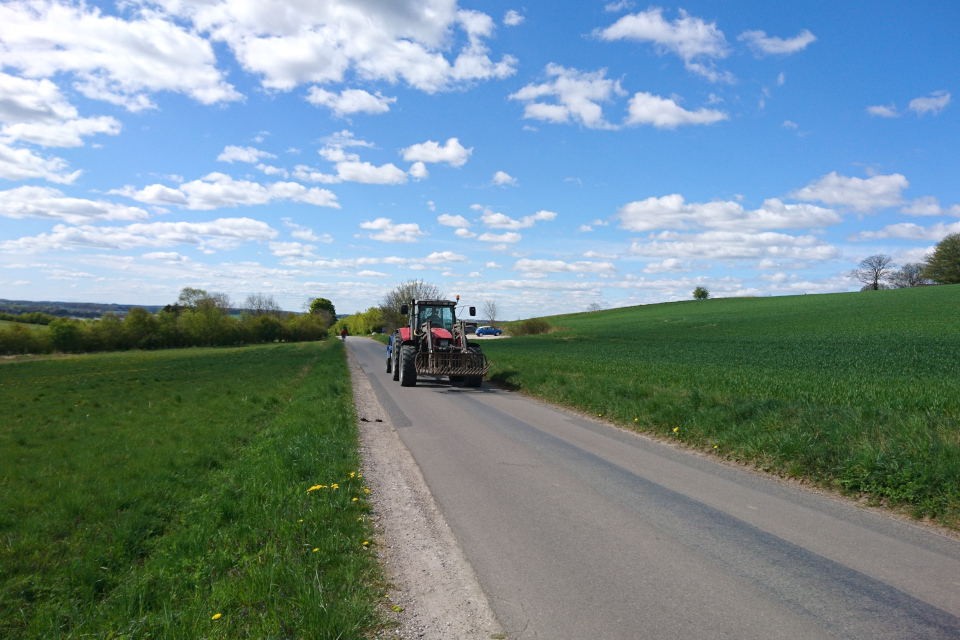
(490,311)
(943,265)
(261,304)
(873,270)
(909,275)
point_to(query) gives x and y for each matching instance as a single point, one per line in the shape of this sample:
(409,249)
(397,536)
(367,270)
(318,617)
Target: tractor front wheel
(390,363)
(408,369)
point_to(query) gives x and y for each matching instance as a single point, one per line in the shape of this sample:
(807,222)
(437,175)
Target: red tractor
(434,343)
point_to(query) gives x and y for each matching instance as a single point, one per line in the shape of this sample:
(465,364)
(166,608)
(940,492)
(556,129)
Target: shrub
(529,327)
(66,335)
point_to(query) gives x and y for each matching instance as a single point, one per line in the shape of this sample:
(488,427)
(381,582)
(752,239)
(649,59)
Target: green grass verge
(856,390)
(143,493)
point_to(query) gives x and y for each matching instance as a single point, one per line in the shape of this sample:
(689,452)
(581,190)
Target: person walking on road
(343,334)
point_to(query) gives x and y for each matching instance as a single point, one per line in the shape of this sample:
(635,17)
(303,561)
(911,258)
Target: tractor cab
(441,314)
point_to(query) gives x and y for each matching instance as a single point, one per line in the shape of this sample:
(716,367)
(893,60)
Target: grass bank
(859,391)
(144,493)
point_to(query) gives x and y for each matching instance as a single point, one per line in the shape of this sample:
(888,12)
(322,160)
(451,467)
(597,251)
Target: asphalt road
(579,530)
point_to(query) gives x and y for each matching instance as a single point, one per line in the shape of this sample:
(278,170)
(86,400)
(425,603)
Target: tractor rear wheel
(395,358)
(408,369)
(390,363)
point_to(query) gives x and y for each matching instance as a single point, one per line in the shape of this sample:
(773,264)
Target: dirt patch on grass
(434,586)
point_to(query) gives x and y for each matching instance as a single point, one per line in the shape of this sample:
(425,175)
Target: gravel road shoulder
(432,580)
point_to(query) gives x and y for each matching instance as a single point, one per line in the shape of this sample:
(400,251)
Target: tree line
(198,319)
(942,266)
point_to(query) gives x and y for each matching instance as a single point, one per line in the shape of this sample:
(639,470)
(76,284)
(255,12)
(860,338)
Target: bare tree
(594,306)
(261,304)
(490,311)
(873,270)
(403,294)
(199,299)
(909,275)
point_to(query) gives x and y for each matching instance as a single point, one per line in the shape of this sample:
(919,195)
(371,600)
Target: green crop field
(33,327)
(860,391)
(168,495)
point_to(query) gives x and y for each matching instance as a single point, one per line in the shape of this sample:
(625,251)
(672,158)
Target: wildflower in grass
(365,543)
(353,474)
(315,487)
(675,429)
(300,520)
(317,549)
(366,490)
(216,616)
(335,486)
(355,499)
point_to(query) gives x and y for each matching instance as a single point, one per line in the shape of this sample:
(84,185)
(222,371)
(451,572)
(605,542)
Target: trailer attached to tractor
(435,343)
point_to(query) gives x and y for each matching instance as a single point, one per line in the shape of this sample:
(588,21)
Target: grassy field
(33,327)
(858,390)
(168,495)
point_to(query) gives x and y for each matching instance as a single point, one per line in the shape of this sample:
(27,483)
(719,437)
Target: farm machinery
(435,343)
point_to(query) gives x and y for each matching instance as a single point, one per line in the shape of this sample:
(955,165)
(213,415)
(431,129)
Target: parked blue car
(488,331)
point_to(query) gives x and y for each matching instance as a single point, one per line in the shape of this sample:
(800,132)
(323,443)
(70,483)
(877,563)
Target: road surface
(579,530)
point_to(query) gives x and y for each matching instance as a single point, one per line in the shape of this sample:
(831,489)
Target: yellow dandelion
(300,520)
(675,429)
(353,474)
(314,487)
(317,549)
(359,475)
(636,419)
(360,518)
(714,446)
(367,490)
(355,499)
(599,415)
(335,486)
(216,616)
(365,543)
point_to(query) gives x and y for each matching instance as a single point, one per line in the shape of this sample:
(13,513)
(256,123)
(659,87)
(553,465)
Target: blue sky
(545,155)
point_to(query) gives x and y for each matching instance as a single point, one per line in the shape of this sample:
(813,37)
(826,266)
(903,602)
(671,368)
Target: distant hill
(70,309)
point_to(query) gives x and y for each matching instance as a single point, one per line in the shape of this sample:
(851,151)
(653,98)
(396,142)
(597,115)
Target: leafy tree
(189,296)
(701,293)
(490,311)
(322,304)
(142,329)
(66,336)
(909,275)
(873,270)
(943,265)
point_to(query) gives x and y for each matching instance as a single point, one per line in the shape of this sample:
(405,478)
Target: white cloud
(690,38)
(220,190)
(366,173)
(584,228)
(323,42)
(512,18)
(233,154)
(273,171)
(503,178)
(167,257)
(601,256)
(34,111)
(453,221)
(47,203)
(578,95)
(790,124)
(559,266)
(731,245)
(305,233)
(671,212)
(23,164)
(509,237)
(664,113)
(763,45)
(464,233)
(221,234)
(613,7)
(452,152)
(934,103)
(418,171)
(295,249)
(884,111)
(443,257)
(387,231)
(670,265)
(929,206)
(495,220)
(350,101)
(493,265)
(111,58)
(859,194)
(909,231)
